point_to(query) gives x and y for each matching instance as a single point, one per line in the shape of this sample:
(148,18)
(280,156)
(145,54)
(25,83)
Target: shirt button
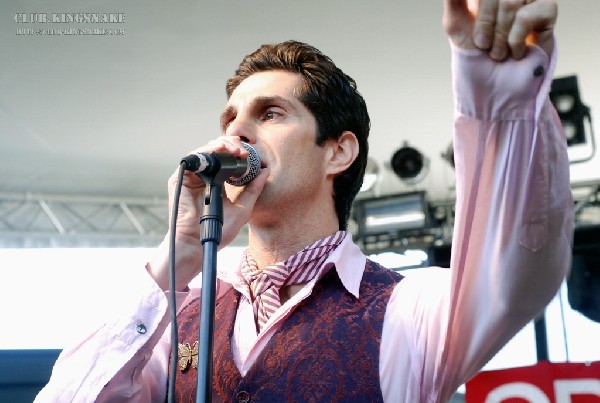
(243,397)
(140,328)
(538,71)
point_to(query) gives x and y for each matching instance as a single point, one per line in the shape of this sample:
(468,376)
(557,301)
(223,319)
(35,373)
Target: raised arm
(512,239)
(513,225)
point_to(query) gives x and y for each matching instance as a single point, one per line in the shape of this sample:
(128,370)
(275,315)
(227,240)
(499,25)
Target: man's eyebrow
(226,114)
(274,99)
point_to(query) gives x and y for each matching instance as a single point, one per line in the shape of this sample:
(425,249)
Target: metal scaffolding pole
(44,220)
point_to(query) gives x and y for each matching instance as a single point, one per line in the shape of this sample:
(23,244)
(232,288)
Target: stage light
(392,214)
(409,164)
(448,155)
(408,259)
(564,95)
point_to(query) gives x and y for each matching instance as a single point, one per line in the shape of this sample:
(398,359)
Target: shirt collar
(347,258)
(349,263)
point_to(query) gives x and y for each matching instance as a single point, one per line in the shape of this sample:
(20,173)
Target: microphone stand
(211,224)
(220,169)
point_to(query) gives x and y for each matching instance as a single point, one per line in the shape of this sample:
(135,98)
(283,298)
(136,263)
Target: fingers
(507,10)
(458,21)
(485,24)
(455,13)
(193,187)
(502,27)
(248,195)
(534,23)
(231,145)
(239,203)
(493,25)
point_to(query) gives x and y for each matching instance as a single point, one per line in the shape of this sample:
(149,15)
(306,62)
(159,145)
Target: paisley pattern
(327,350)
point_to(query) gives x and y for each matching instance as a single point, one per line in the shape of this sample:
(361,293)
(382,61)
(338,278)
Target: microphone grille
(252,170)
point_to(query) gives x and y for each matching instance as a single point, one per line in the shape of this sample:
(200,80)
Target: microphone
(239,170)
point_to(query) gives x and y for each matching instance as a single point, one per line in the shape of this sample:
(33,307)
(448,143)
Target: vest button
(243,397)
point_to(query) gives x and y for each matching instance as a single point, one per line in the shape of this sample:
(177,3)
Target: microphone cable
(172,291)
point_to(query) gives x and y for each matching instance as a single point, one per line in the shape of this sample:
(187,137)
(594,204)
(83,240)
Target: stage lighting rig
(393,222)
(409,164)
(573,114)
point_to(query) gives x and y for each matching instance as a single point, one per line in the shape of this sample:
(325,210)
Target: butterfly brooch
(187,355)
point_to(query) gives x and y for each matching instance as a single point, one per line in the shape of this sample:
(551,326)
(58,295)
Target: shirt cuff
(488,90)
(142,311)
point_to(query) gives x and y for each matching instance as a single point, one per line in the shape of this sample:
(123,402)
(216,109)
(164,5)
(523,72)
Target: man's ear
(341,153)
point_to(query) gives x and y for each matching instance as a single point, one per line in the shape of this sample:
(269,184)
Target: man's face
(264,111)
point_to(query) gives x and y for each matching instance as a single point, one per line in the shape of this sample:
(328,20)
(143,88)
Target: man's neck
(270,245)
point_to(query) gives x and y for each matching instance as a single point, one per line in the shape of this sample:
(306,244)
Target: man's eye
(270,114)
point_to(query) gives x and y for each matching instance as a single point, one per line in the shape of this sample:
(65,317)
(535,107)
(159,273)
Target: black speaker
(583,283)
(440,256)
(564,95)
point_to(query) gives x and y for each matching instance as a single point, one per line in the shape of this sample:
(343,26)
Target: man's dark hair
(330,95)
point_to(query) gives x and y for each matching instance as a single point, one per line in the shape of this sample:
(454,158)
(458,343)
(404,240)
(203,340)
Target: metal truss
(38,220)
(44,220)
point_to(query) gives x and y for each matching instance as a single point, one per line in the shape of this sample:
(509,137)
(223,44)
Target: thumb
(239,203)
(249,193)
(458,22)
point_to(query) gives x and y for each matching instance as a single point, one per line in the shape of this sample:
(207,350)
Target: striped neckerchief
(264,284)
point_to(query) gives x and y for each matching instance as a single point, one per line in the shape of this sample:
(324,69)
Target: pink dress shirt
(511,250)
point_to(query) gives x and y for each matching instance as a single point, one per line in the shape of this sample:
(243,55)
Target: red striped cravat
(299,268)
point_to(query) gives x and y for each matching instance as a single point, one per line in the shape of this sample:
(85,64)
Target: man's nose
(243,128)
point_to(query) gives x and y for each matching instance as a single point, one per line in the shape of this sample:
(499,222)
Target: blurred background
(94,117)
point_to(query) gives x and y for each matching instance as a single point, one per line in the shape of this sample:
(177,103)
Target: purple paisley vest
(327,350)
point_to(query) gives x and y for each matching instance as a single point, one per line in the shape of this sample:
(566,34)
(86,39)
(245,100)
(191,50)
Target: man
(321,322)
